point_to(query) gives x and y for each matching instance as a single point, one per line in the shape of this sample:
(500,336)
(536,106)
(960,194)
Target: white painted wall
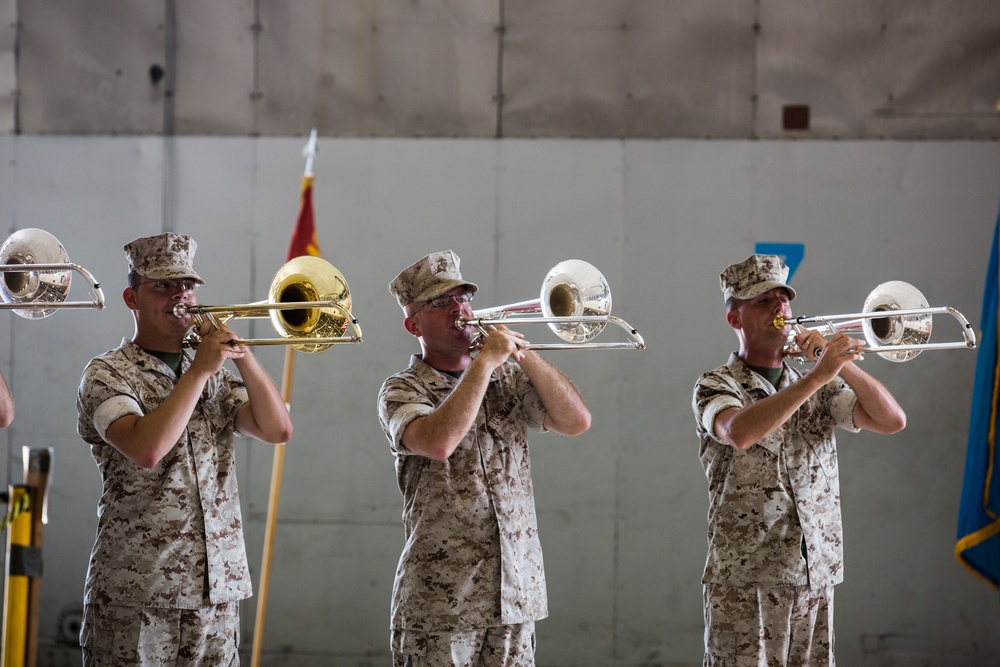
(622,508)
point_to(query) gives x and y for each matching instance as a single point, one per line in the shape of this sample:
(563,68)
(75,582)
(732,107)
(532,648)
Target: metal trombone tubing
(180,309)
(637,342)
(95,287)
(967,332)
(461,322)
(45,305)
(197,310)
(877,314)
(298,341)
(330,340)
(957,345)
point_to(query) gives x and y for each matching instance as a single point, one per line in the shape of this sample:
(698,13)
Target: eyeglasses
(445,301)
(170,286)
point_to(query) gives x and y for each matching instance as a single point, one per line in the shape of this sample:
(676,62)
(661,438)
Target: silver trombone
(309,305)
(575,301)
(895,320)
(37,274)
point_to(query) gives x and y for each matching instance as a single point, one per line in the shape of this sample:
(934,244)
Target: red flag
(304,240)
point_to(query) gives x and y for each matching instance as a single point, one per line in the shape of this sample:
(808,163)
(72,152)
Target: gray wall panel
(492,68)
(8,66)
(216,68)
(379,68)
(84,67)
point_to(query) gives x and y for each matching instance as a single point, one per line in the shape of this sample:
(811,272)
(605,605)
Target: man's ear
(128,296)
(733,317)
(411,325)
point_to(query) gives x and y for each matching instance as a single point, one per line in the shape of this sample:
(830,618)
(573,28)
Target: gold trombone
(309,305)
(37,274)
(575,301)
(895,320)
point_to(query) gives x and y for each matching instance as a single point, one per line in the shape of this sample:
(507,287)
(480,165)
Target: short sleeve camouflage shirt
(472,557)
(769,499)
(170,535)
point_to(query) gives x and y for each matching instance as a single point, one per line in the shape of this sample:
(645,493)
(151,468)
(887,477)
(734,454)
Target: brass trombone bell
(895,321)
(37,274)
(575,301)
(309,305)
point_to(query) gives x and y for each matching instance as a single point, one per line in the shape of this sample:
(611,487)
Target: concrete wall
(622,508)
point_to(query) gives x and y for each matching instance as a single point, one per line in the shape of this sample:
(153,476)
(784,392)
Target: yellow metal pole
(19,535)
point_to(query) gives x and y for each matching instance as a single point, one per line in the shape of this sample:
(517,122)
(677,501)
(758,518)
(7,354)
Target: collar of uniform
(750,380)
(436,378)
(147,361)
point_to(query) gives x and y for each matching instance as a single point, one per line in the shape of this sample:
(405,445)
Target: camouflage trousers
(748,626)
(501,646)
(113,635)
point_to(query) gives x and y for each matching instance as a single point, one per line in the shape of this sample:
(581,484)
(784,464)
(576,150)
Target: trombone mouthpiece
(779,321)
(180,310)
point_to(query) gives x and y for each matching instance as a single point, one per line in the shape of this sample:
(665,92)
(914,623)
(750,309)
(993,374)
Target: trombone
(37,274)
(575,301)
(309,305)
(895,320)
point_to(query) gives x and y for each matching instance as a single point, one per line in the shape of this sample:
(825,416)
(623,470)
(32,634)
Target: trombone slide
(95,287)
(855,322)
(636,340)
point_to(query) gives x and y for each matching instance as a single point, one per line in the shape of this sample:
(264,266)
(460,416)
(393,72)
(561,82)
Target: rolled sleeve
(842,409)
(712,410)
(113,409)
(401,418)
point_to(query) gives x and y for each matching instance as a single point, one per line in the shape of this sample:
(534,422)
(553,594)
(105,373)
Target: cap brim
(760,288)
(172,273)
(443,287)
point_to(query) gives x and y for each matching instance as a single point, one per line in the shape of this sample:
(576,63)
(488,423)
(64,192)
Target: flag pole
(277,466)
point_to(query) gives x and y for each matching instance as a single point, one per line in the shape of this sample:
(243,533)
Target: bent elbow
(582,425)
(888,424)
(285,434)
(899,423)
(147,461)
(741,443)
(434,449)
(735,439)
(277,437)
(569,424)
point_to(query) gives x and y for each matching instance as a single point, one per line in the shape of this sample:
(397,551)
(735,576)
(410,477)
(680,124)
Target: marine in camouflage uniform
(169,567)
(470,582)
(775,538)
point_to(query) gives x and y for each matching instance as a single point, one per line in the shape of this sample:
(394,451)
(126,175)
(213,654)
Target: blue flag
(978,545)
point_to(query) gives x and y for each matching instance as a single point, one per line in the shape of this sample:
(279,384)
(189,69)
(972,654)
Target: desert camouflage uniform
(170,536)
(506,645)
(158,637)
(472,558)
(779,497)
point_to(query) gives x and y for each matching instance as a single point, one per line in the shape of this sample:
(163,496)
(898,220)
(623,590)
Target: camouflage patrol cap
(165,255)
(754,276)
(429,278)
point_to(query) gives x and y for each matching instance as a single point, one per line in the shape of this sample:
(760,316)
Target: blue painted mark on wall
(791,253)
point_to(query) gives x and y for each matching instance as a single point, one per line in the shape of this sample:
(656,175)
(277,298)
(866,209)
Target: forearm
(146,439)
(438,434)
(6,404)
(742,427)
(266,416)
(877,410)
(567,412)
